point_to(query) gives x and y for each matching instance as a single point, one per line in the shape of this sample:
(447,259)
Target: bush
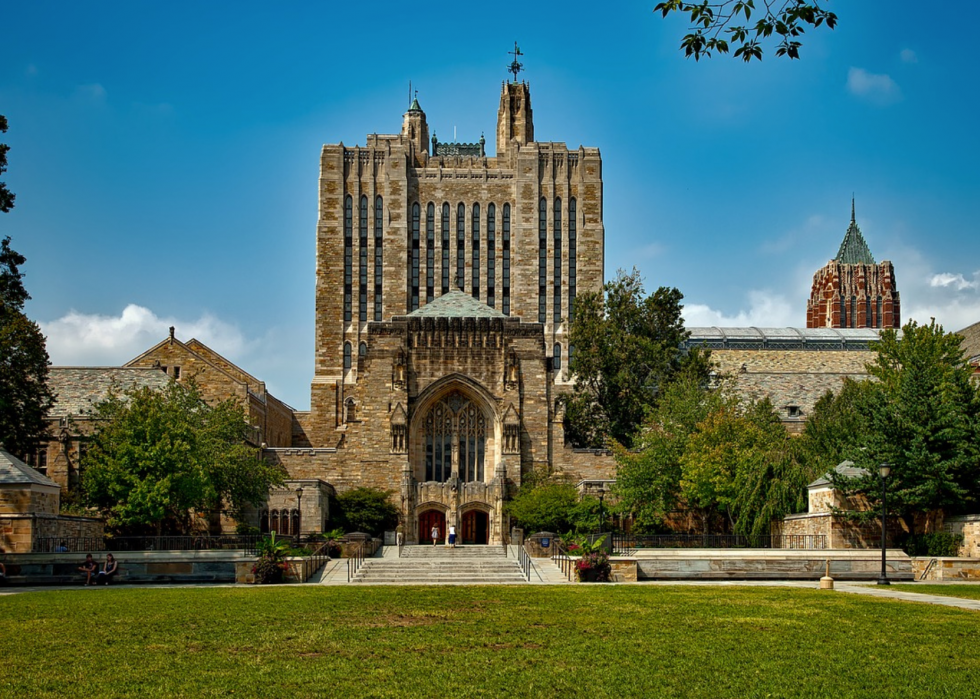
(365,510)
(935,544)
(554,507)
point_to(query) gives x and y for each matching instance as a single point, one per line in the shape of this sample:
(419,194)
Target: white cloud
(79,339)
(876,89)
(958,281)
(93,92)
(766,310)
(908,56)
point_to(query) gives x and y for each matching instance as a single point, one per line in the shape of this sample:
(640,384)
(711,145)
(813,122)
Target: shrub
(271,566)
(934,544)
(365,510)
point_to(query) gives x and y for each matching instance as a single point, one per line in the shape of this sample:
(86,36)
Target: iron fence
(240,542)
(563,561)
(355,557)
(524,561)
(628,543)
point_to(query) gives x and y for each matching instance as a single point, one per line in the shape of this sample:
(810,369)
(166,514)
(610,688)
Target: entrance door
(475,527)
(429,519)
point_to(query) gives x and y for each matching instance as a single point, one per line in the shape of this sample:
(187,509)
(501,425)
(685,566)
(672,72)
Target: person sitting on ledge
(90,568)
(108,571)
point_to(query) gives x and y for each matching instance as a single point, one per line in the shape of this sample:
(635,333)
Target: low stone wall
(768,564)
(945,568)
(534,545)
(18,531)
(969,527)
(134,567)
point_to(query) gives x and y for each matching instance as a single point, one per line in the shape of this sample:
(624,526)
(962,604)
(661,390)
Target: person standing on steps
(435,533)
(452,535)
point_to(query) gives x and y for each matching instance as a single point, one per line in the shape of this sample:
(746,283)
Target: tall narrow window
(853,311)
(475,286)
(843,313)
(879,312)
(362,261)
(556,357)
(460,246)
(491,254)
(556,229)
(430,252)
(542,260)
(415,257)
(867,313)
(445,248)
(505,254)
(348,258)
(378,256)
(347,357)
(572,271)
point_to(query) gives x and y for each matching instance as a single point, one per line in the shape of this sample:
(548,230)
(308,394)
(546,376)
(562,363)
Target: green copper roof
(854,250)
(456,304)
(415,106)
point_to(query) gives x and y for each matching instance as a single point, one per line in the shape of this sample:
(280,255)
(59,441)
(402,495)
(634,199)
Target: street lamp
(883,471)
(299,514)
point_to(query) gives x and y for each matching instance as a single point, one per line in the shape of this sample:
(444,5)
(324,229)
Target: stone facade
(852,291)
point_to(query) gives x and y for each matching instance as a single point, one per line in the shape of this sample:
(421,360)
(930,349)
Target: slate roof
(13,471)
(456,304)
(78,389)
(844,468)
(853,249)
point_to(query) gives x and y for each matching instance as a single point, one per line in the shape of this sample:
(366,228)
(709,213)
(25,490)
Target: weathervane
(515,67)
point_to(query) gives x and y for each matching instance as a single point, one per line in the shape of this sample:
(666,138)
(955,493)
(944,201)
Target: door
(429,519)
(475,527)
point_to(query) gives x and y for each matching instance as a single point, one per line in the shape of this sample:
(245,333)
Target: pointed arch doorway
(476,527)
(429,519)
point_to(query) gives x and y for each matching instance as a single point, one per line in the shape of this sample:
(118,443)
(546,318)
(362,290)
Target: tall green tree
(714,24)
(156,457)
(627,348)
(24,395)
(367,510)
(923,418)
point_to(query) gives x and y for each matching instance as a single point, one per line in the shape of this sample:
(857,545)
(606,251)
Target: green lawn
(482,641)
(964,591)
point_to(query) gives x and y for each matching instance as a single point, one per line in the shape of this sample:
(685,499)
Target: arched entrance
(476,527)
(429,519)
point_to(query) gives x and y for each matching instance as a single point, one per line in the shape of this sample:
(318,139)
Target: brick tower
(852,291)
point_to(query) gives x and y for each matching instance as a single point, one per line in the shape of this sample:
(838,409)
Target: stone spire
(414,126)
(853,249)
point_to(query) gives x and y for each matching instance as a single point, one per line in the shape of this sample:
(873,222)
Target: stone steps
(444,552)
(445,568)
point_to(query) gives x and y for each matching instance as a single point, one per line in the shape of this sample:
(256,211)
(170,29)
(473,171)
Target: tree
(554,507)
(627,347)
(157,457)
(368,510)
(784,20)
(923,418)
(24,395)
(6,196)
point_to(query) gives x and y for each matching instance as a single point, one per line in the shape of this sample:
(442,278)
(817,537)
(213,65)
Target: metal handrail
(355,557)
(563,561)
(320,555)
(928,569)
(524,561)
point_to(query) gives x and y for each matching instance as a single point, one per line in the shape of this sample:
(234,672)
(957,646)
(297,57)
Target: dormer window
(794,411)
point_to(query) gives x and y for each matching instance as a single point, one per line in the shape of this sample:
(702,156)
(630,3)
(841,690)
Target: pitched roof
(78,389)
(13,471)
(853,249)
(844,468)
(456,304)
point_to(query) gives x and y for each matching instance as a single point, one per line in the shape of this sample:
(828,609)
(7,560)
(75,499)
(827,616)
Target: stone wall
(969,527)
(19,531)
(945,568)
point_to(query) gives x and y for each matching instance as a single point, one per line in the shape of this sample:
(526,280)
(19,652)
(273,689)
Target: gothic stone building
(444,283)
(851,291)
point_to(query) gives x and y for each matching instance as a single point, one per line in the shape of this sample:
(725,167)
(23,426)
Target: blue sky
(165,155)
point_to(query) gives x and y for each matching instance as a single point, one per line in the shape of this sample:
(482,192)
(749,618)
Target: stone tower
(852,291)
(515,123)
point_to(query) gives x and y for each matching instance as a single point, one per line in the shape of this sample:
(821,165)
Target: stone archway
(429,519)
(476,527)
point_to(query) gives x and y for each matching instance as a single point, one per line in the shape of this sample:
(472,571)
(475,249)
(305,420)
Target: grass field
(962,591)
(483,641)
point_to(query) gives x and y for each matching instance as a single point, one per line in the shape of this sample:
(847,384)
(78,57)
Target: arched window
(542,260)
(379,261)
(505,255)
(274,522)
(460,246)
(556,357)
(347,357)
(414,301)
(350,410)
(348,258)
(264,522)
(445,248)
(491,254)
(556,229)
(362,349)
(572,261)
(430,251)
(362,259)
(455,420)
(475,286)
(294,529)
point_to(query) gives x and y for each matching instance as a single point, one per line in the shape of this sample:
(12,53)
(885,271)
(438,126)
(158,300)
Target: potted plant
(271,566)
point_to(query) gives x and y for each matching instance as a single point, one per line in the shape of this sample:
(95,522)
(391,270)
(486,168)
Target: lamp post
(602,512)
(883,471)
(299,514)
